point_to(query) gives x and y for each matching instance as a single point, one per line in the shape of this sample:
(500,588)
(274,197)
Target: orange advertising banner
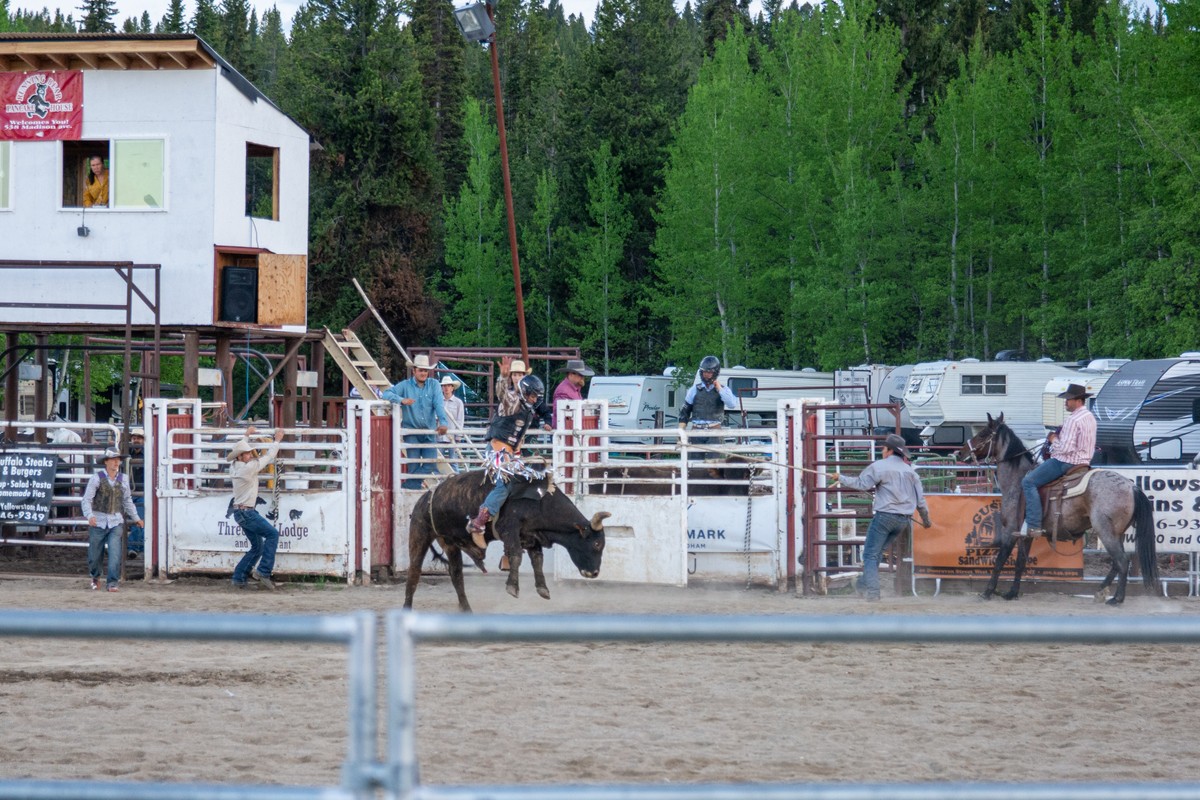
(41,105)
(961,543)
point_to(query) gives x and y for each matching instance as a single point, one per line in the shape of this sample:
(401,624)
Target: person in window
(95,194)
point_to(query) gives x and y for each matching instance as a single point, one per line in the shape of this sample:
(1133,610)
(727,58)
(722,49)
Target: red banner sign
(41,105)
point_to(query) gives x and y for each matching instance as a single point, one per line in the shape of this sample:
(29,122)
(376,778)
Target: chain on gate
(746,541)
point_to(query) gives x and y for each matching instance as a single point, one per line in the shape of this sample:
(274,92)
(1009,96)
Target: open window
(262,181)
(119,173)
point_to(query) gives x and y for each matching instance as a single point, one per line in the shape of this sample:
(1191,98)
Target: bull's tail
(1143,523)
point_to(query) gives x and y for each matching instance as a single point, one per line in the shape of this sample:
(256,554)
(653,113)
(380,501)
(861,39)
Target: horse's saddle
(1072,484)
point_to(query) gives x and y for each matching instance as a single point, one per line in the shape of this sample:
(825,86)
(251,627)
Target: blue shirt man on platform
(421,408)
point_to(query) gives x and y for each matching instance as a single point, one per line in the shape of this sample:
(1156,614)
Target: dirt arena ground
(597,712)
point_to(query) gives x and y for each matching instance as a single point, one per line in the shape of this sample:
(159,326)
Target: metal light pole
(478,24)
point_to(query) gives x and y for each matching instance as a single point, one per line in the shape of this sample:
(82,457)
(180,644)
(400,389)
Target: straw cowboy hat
(1075,392)
(518,366)
(243,446)
(448,380)
(577,366)
(420,362)
(138,432)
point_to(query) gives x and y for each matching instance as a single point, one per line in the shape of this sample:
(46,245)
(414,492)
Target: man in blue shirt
(421,408)
(706,402)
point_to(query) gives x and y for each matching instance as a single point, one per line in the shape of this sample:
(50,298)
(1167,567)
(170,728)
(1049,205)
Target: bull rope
(754,459)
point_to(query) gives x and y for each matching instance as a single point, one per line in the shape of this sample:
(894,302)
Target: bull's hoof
(1115,601)
(1010,596)
(543,592)
(1101,595)
(985,595)
(513,590)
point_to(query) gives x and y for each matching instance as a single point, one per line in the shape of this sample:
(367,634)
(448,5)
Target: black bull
(534,517)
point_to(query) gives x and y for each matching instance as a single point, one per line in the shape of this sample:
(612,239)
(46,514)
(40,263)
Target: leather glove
(925,518)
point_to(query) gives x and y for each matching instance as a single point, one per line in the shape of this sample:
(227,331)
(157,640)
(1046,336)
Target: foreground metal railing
(406,629)
(355,631)
(397,777)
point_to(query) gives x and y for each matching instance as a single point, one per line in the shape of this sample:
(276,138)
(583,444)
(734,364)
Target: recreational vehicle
(1091,378)
(952,399)
(638,401)
(1149,412)
(882,384)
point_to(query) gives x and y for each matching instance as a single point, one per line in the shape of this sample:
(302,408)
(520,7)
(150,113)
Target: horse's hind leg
(1120,561)
(1022,560)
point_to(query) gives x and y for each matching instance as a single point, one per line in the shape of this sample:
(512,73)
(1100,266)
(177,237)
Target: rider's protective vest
(708,406)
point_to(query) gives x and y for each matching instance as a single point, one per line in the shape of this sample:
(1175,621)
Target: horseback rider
(506,433)
(1073,445)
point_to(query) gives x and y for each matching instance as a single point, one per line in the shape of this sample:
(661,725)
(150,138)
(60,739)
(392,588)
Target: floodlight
(474,22)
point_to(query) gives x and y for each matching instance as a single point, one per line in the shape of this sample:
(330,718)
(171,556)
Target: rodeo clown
(504,462)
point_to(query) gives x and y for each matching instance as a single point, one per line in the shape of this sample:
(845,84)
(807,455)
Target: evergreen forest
(882,181)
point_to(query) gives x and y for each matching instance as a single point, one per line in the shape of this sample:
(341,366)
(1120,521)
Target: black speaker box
(239,294)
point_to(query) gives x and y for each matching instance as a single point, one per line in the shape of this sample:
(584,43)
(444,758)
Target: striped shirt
(1076,441)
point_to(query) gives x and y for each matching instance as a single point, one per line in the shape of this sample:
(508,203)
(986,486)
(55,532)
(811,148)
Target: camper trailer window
(984,384)
(932,386)
(914,385)
(744,387)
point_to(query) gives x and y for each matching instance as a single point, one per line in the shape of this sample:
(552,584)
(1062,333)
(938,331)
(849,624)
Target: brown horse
(1110,504)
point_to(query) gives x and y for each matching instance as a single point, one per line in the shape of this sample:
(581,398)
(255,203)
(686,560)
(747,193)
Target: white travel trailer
(952,399)
(1149,412)
(877,384)
(1091,378)
(638,401)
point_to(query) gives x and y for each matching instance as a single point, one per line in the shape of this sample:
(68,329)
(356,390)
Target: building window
(262,181)
(5,173)
(134,171)
(984,384)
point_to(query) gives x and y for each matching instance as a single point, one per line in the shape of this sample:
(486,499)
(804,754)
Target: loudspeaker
(239,294)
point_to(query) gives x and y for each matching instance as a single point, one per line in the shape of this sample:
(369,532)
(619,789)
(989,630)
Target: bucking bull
(535,516)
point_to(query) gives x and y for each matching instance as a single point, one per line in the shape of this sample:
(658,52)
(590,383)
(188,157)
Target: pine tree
(98,16)
(206,23)
(174,20)
(439,49)
(235,26)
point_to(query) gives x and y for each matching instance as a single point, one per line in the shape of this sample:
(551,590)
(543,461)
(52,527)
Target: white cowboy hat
(137,432)
(420,362)
(519,366)
(243,446)
(448,380)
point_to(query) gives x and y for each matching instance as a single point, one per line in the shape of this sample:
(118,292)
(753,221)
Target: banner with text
(962,543)
(1175,496)
(26,487)
(41,105)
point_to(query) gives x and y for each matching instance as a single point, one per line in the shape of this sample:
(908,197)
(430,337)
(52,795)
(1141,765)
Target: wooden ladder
(356,363)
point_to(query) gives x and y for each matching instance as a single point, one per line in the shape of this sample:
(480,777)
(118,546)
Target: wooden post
(12,396)
(225,364)
(191,364)
(316,412)
(288,417)
(40,393)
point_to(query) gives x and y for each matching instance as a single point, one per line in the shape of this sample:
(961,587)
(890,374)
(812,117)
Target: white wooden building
(206,175)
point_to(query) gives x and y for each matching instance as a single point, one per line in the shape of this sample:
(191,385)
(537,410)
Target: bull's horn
(598,520)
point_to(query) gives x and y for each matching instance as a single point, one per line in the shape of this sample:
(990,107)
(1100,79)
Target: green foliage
(97,16)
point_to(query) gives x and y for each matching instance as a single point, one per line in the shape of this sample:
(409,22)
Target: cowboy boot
(477,526)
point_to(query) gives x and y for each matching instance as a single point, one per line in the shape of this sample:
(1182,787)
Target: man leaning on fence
(898,494)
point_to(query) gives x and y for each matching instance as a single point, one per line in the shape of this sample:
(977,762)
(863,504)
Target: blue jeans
(410,451)
(98,539)
(496,497)
(884,529)
(136,541)
(263,542)
(1049,470)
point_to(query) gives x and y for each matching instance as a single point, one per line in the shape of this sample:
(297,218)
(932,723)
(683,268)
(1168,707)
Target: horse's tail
(1143,523)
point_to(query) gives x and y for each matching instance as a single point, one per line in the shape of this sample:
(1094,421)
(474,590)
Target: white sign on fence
(1175,497)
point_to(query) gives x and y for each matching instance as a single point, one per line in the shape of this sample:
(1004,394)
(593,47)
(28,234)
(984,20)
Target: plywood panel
(282,289)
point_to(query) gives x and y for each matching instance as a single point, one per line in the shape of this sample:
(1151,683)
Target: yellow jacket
(96,194)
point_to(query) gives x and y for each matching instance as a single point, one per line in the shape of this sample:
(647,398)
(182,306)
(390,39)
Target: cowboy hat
(895,443)
(448,380)
(518,366)
(420,362)
(577,366)
(1075,392)
(137,432)
(242,446)
(108,453)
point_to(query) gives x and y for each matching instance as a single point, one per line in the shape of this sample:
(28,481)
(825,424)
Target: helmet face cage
(531,385)
(710,364)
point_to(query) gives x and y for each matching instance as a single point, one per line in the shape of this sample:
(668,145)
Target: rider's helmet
(710,368)
(532,389)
